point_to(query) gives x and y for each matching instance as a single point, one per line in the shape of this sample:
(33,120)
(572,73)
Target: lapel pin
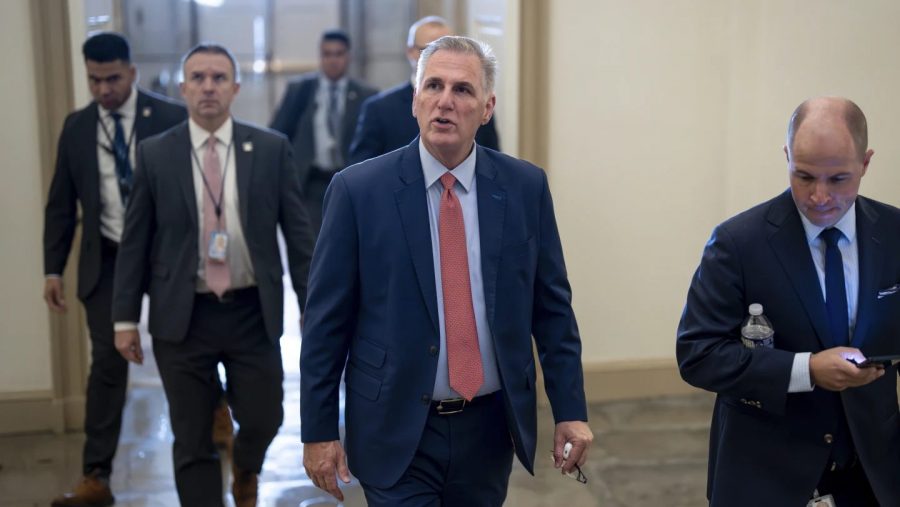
(147,112)
(248,146)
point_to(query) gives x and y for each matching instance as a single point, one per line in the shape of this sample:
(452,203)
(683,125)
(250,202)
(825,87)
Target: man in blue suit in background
(436,265)
(386,121)
(799,420)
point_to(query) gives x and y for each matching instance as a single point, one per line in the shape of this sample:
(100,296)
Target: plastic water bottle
(757,330)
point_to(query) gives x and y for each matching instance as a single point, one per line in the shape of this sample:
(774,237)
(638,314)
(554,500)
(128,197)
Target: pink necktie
(463,354)
(218,276)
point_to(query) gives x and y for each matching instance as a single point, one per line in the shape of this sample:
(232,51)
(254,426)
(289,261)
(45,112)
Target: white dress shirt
(112,211)
(324,140)
(849,247)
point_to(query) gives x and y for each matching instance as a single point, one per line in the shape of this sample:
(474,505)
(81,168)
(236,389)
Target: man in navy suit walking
(799,420)
(436,265)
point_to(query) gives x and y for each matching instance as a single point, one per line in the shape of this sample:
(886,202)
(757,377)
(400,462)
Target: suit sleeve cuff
(800,379)
(124,326)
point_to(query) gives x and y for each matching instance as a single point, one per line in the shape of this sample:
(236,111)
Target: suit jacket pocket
(367,352)
(362,383)
(518,249)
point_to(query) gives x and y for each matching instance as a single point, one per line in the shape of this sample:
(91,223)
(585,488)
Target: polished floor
(646,453)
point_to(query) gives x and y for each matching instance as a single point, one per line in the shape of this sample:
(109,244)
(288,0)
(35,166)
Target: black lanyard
(217,204)
(109,148)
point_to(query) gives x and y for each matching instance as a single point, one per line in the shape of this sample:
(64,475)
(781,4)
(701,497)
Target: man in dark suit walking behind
(208,198)
(318,114)
(796,420)
(436,265)
(94,167)
(386,121)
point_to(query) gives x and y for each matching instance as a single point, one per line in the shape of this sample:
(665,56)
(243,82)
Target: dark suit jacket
(294,117)
(77,178)
(386,123)
(767,447)
(373,300)
(161,229)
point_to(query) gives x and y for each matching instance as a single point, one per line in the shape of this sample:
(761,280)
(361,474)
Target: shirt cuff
(52,275)
(124,326)
(800,379)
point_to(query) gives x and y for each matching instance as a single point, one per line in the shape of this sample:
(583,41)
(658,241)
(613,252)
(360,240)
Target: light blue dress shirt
(466,192)
(849,247)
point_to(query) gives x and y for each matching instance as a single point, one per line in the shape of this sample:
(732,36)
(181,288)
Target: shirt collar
(433,169)
(127,109)
(325,83)
(199,135)
(847,226)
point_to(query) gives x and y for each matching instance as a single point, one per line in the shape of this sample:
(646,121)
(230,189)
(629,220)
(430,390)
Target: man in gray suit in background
(200,237)
(318,114)
(94,162)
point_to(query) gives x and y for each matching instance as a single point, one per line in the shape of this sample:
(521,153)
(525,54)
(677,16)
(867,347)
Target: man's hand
(128,343)
(832,370)
(579,434)
(53,294)
(322,460)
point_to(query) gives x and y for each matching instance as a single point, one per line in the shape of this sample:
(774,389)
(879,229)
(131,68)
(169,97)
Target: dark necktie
(334,125)
(463,352)
(120,154)
(838,323)
(835,290)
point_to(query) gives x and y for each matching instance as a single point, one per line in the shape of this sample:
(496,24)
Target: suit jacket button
(829,438)
(426,399)
(432,351)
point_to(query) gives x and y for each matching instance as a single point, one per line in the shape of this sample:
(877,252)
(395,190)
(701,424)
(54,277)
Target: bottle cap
(756,309)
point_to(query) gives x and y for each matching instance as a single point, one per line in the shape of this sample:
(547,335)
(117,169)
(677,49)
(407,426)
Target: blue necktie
(838,323)
(334,126)
(835,289)
(120,153)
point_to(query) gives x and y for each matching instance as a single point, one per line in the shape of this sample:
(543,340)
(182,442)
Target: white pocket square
(883,293)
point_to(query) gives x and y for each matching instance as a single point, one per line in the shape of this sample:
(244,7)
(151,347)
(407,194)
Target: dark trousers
(314,195)
(463,460)
(231,332)
(849,486)
(108,378)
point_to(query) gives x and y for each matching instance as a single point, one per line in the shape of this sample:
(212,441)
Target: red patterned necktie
(463,354)
(218,276)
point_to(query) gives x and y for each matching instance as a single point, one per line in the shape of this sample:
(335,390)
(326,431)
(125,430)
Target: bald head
(422,33)
(832,117)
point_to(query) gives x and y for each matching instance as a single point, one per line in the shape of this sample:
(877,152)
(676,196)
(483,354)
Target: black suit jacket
(768,447)
(161,229)
(294,117)
(386,123)
(77,178)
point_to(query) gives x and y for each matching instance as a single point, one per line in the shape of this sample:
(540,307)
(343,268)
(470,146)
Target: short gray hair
(427,20)
(463,45)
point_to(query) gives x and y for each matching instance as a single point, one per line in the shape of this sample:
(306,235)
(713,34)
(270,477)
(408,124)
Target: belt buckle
(455,406)
(226,297)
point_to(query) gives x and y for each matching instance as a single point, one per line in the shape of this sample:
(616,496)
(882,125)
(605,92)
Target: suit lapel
(871,259)
(243,164)
(184,168)
(491,214)
(788,240)
(412,204)
(88,140)
(143,116)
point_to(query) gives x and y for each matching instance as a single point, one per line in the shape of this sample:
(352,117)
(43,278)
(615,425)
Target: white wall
(668,117)
(24,328)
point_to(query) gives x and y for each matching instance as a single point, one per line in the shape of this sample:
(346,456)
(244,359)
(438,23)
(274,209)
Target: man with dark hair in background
(318,113)
(386,122)
(94,167)
(208,199)
(802,421)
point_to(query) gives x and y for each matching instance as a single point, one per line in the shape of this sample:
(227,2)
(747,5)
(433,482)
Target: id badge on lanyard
(821,501)
(218,246)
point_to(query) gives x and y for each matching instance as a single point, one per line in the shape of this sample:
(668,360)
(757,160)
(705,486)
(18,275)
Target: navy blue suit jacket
(386,123)
(768,447)
(372,300)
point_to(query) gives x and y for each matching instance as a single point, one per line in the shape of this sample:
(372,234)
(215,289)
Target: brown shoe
(92,491)
(244,487)
(223,428)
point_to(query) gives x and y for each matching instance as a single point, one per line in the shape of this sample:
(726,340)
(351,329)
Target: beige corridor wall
(666,118)
(25,366)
